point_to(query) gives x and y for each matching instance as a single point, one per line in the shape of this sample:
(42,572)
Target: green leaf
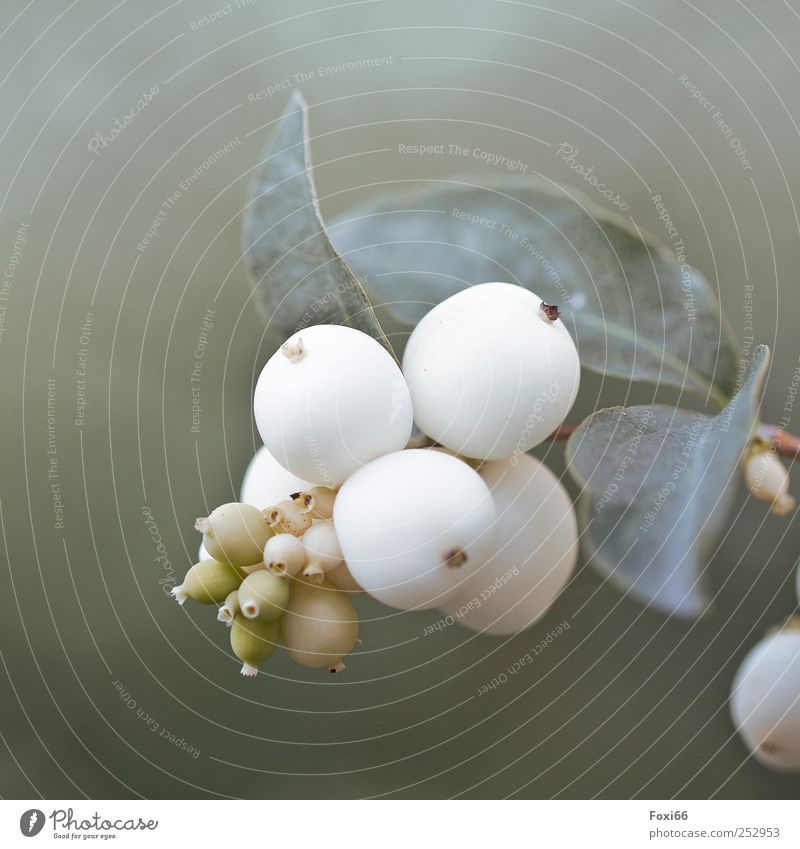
(626,295)
(657,483)
(298,276)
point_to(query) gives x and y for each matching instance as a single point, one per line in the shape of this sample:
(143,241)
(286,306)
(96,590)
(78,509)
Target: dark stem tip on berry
(455,557)
(551,311)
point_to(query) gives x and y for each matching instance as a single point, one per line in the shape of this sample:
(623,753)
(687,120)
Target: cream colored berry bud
(768,480)
(229,609)
(263,595)
(285,555)
(314,573)
(286,517)
(253,641)
(322,550)
(209,582)
(317,501)
(235,533)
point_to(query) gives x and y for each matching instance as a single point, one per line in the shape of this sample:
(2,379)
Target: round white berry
(537,548)
(768,480)
(765,700)
(412,525)
(330,400)
(492,371)
(266,482)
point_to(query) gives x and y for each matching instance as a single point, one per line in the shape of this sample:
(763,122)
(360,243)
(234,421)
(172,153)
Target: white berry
(537,548)
(266,482)
(412,525)
(330,400)
(765,700)
(492,371)
(768,480)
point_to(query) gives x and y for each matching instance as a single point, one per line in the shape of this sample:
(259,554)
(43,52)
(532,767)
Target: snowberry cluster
(341,499)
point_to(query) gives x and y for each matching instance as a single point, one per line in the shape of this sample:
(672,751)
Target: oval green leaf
(656,486)
(636,312)
(298,277)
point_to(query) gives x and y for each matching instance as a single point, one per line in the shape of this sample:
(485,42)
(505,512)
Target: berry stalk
(784,444)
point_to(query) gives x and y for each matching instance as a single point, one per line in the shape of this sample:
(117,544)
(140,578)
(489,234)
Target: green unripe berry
(235,533)
(263,595)
(229,609)
(253,641)
(209,582)
(320,625)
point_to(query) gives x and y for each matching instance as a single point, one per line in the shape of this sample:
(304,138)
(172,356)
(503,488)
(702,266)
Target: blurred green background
(95,655)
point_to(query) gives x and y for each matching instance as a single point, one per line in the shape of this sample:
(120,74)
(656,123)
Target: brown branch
(782,443)
(564,432)
(778,440)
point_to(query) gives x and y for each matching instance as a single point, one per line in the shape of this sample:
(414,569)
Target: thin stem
(778,440)
(564,432)
(782,443)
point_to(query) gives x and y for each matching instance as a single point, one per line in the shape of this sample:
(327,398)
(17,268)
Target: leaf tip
(298,100)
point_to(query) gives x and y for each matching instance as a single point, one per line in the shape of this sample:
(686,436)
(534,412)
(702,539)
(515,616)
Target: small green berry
(253,641)
(263,595)
(209,582)
(235,533)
